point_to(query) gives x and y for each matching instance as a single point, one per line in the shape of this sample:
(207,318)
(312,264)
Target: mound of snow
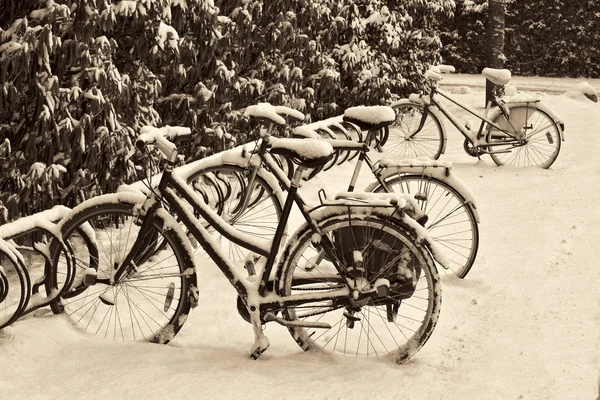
(581,91)
(510,90)
(446,69)
(461,90)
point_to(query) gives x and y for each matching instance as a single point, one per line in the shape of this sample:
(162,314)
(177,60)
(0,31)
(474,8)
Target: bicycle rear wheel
(541,139)
(407,141)
(150,304)
(15,288)
(451,221)
(396,325)
(259,217)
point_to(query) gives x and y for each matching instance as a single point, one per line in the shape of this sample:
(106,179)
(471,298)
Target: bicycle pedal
(392,311)
(107,298)
(351,317)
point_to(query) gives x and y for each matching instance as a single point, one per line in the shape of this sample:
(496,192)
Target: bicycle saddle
(311,153)
(498,77)
(369,118)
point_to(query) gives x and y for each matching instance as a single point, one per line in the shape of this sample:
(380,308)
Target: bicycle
(18,294)
(356,265)
(519,132)
(233,188)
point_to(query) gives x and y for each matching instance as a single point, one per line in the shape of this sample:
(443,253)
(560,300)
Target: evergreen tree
(79,78)
(545,37)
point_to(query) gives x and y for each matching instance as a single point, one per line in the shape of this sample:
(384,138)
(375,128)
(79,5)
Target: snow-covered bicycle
(253,202)
(356,278)
(19,294)
(521,131)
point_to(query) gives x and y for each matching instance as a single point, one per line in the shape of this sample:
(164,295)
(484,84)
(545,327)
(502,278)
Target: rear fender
(440,174)
(537,105)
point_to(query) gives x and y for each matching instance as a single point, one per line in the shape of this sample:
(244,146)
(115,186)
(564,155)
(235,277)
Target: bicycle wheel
(258,218)
(406,142)
(541,139)
(451,221)
(355,135)
(395,325)
(327,134)
(152,303)
(341,135)
(15,288)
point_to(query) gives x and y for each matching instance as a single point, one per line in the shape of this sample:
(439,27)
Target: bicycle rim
(395,326)
(451,221)
(543,141)
(149,305)
(260,216)
(15,287)
(404,140)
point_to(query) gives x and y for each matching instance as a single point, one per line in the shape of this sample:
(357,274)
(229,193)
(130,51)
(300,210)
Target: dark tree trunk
(495,40)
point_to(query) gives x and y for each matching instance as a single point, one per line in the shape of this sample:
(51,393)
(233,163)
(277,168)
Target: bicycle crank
(473,151)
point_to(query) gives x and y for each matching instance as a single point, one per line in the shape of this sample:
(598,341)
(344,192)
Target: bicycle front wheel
(451,221)
(151,303)
(406,140)
(395,325)
(540,139)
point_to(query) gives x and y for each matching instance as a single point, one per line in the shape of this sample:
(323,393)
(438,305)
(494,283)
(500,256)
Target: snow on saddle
(311,153)
(498,77)
(369,118)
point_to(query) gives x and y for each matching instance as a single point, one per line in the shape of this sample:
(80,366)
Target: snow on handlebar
(273,113)
(161,138)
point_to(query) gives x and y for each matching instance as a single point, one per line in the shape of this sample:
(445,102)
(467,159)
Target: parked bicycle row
(359,277)
(356,263)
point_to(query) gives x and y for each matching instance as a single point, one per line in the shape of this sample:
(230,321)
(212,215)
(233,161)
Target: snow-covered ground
(523,325)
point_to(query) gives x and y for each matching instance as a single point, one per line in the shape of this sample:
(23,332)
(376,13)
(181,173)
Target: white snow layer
(274,113)
(371,114)
(524,324)
(497,76)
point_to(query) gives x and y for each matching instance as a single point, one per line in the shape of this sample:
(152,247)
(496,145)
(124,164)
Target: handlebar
(161,138)
(272,113)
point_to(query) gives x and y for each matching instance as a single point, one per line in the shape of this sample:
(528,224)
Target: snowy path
(524,83)
(523,325)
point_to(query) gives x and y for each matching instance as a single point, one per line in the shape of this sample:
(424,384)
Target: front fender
(419,101)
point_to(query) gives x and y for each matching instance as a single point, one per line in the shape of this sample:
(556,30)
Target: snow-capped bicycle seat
(311,153)
(369,118)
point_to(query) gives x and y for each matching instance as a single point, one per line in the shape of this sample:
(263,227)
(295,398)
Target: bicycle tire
(15,287)
(326,133)
(341,135)
(451,222)
(542,135)
(150,305)
(356,135)
(417,302)
(429,141)
(260,217)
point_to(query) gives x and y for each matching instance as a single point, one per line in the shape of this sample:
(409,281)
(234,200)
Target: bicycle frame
(172,186)
(430,100)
